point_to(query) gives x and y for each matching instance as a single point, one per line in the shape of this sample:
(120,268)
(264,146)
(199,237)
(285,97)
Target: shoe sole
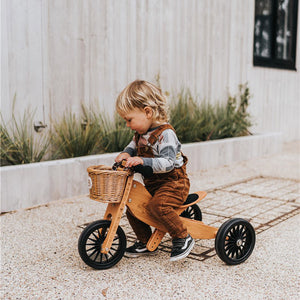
(135,255)
(184,254)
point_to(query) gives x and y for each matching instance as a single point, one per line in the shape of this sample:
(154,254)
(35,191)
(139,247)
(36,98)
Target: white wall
(58,53)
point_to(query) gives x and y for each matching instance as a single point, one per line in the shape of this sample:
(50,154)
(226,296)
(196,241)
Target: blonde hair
(140,94)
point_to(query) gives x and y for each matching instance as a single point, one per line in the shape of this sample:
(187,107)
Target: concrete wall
(57,53)
(29,185)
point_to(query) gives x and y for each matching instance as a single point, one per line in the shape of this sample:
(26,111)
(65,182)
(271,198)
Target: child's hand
(134,161)
(122,156)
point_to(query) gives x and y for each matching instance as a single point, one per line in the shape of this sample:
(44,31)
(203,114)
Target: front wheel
(235,241)
(90,243)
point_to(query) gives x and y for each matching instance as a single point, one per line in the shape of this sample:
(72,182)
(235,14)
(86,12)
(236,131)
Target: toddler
(143,106)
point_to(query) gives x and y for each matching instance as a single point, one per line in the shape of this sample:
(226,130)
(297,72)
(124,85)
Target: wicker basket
(105,184)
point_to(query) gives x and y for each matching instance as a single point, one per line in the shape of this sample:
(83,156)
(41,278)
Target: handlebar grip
(146,171)
(119,164)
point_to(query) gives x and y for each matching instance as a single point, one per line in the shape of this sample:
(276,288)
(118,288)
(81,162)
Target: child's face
(139,120)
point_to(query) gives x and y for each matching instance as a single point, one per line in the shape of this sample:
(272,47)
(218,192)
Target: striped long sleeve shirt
(166,150)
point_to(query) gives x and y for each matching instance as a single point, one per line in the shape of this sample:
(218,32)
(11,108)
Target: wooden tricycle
(102,243)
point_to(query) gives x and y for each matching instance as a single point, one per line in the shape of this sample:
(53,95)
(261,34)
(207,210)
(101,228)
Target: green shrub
(232,120)
(19,143)
(196,122)
(73,136)
(113,133)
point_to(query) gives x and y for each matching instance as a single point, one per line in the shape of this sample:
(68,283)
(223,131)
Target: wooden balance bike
(102,243)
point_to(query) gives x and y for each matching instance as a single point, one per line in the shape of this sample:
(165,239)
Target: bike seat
(190,199)
(193,199)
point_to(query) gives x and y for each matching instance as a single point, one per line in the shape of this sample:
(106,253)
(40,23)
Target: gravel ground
(39,258)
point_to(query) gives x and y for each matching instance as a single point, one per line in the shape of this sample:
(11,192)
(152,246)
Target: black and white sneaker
(138,249)
(182,248)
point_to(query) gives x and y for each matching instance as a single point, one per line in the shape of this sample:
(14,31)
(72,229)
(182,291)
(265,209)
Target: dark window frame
(273,62)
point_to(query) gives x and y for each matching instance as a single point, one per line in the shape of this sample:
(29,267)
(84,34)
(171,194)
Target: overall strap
(157,132)
(136,138)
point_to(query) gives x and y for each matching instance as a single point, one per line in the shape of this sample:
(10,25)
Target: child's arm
(129,151)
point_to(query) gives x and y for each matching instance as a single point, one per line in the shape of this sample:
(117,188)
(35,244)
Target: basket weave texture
(106,185)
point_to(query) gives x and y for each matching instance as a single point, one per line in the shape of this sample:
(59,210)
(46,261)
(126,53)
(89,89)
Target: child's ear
(149,112)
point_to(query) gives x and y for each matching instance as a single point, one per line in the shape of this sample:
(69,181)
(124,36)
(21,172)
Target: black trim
(273,62)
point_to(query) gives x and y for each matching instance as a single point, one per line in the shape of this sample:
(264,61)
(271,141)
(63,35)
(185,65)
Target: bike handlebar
(146,171)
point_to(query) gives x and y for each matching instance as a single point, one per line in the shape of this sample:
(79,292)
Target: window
(275,31)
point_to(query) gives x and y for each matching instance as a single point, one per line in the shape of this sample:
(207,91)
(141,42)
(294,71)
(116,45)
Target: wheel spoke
(91,254)
(230,235)
(96,236)
(228,244)
(231,239)
(98,252)
(230,252)
(89,238)
(191,212)
(238,253)
(240,230)
(242,251)
(101,258)
(90,244)
(230,248)
(104,257)
(234,232)
(116,238)
(246,233)
(91,248)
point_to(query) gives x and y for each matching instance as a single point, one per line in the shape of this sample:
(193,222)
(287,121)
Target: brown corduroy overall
(168,190)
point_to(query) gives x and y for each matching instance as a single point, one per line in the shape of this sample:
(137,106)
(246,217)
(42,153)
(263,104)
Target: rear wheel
(90,243)
(192,212)
(235,241)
